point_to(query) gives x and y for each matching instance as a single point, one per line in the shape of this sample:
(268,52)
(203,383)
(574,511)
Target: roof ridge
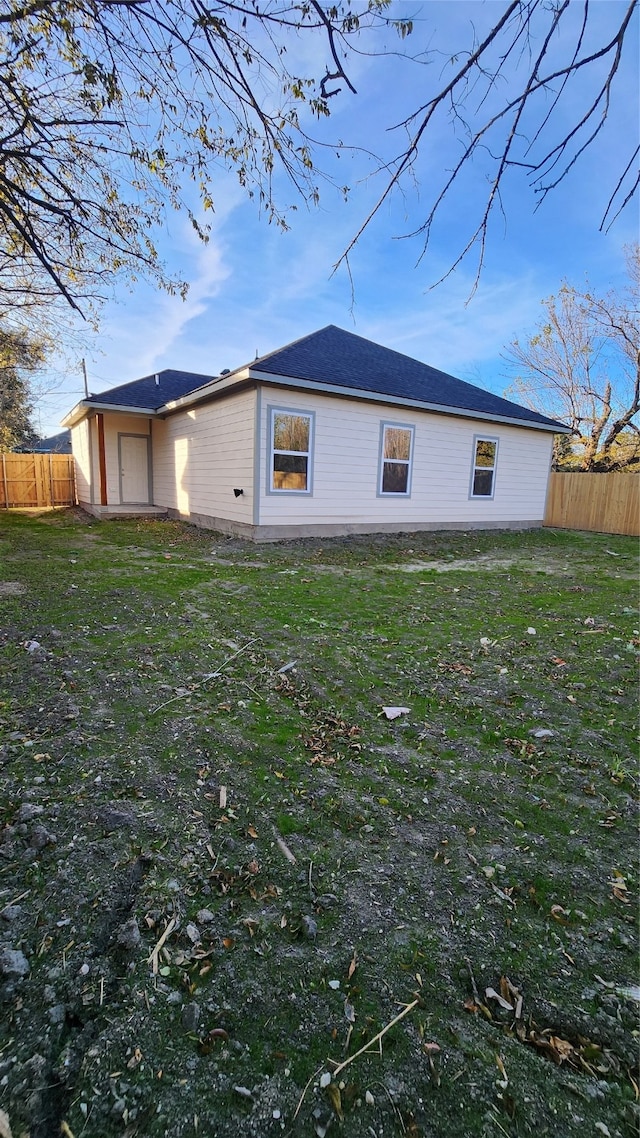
(291,344)
(167,371)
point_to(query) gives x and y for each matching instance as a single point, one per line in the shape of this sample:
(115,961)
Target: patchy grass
(227,870)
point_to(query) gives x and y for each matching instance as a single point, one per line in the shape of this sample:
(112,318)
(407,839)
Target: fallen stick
(301,1099)
(14,901)
(153,958)
(376,1039)
(283,847)
(210,676)
(474,986)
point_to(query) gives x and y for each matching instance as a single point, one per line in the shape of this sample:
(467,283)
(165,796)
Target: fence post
(4,479)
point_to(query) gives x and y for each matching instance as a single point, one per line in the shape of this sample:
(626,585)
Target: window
(396,452)
(484,468)
(291,441)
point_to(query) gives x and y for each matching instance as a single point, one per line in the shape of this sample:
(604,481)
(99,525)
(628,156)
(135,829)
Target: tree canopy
(108,108)
(582,366)
(20,355)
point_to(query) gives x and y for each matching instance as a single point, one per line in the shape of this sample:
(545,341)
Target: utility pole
(84,372)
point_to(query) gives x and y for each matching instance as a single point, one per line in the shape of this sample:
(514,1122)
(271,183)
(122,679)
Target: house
(55,444)
(332,434)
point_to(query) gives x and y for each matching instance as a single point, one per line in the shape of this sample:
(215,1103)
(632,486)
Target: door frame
(147,438)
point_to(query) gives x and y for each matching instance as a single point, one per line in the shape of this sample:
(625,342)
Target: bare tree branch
(109,107)
(521,24)
(582,366)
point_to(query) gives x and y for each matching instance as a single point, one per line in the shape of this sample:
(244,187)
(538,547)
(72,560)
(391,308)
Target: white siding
(200,456)
(81,448)
(114,425)
(346,458)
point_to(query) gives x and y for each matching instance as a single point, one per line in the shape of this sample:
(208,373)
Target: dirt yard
(238,896)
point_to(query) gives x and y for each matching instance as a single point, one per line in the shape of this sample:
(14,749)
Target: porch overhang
(86,409)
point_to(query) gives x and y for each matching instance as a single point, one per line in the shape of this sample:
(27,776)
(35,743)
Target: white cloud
(138,336)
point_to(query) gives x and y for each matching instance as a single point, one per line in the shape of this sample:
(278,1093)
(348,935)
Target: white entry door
(134,470)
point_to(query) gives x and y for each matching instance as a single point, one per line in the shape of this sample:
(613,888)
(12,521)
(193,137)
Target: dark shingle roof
(342,359)
(147,393)
(55,444)
(335,358)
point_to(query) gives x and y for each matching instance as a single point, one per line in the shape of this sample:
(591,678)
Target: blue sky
(254,288)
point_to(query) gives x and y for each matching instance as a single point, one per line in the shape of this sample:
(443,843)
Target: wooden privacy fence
(603,503)
(36,480)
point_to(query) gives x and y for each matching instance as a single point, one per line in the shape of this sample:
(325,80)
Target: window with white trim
(485,456)
(396,456)
(290,451)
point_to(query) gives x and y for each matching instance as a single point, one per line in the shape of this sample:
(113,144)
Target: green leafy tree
(582,366)
(20,356)
(108,108)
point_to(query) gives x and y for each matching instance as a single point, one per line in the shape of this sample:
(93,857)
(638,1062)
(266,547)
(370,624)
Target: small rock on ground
(13,963)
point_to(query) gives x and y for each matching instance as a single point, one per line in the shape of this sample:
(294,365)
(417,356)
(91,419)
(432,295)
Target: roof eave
(85,407)
(399,401)
(219,385)
(74,415)
(201,393)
